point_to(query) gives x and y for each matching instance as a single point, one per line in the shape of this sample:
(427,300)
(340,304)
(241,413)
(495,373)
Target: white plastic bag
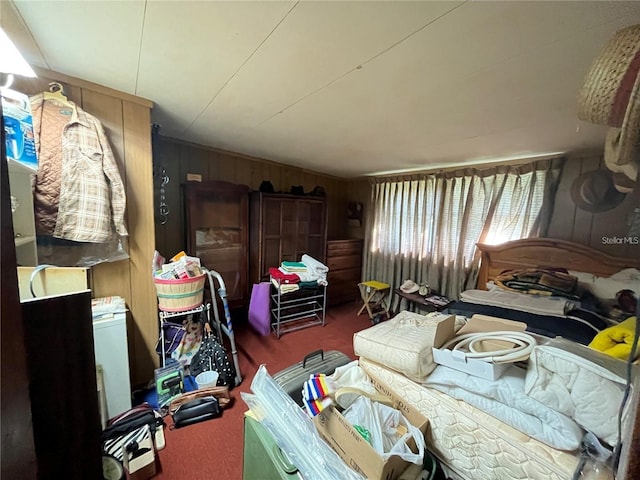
(389,430)
(293,431)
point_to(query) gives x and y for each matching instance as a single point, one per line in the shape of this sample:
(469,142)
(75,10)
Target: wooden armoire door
(285,227)
(217,224)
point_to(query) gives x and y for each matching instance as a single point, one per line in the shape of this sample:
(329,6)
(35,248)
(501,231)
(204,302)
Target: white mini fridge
(112,353)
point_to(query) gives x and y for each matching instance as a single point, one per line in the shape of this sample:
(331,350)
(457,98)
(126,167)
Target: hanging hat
(595,192)
(611,96)
(625,169)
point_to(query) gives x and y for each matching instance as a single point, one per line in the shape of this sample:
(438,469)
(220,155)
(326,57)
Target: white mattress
(474,445)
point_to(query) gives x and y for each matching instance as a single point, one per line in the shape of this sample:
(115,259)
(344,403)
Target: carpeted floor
(213,449)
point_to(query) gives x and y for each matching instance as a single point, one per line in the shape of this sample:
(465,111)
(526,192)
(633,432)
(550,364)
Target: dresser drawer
(344,247)
(344,262)
(344,259)
(347,275)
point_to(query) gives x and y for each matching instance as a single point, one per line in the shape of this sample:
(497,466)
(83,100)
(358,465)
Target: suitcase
(292,378)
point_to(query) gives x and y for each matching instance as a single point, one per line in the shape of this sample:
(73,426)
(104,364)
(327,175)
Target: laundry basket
(179,295)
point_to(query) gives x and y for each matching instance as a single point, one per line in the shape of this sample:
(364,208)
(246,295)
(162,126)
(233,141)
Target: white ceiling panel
(314,46)
(191,50)
(346,88)
(96,41)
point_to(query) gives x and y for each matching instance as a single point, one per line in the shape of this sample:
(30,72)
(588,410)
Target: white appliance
(110,344)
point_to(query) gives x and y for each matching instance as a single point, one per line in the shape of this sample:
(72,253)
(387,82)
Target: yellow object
(617,340)
(178,256)
(374,297)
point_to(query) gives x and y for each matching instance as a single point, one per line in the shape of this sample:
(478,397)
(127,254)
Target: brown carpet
(214,449)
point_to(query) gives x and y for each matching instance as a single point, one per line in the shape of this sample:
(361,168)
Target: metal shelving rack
(290,309)
(166,315)
(208,307)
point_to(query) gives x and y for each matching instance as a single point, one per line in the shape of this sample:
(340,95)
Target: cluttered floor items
(193,382)
(339,415)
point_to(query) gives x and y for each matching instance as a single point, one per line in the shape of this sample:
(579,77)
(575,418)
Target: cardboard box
(356,452)
(473,366)
(141,467)
(52,281)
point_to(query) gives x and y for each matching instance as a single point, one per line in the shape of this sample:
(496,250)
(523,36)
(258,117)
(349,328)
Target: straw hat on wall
(611,96)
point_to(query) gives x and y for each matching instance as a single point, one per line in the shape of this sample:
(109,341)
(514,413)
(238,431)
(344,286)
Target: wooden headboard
(547,252)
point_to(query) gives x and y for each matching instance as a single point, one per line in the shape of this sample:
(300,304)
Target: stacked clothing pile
(292,276)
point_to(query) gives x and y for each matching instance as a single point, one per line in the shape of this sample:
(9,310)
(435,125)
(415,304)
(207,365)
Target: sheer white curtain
(425,227)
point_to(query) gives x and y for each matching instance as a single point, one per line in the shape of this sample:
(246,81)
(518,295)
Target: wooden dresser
(344,259)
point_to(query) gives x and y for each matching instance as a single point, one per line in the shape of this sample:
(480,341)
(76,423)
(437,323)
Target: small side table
(374,299)
(431,303)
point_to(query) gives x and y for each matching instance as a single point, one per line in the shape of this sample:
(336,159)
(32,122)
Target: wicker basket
(179,295)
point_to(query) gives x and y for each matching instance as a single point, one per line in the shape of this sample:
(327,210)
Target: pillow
(605,288)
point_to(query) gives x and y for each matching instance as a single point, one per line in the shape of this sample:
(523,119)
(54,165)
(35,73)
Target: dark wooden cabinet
(344,259)
(16,421)
(285,227)
(49,396)
(62,381)
(217,222)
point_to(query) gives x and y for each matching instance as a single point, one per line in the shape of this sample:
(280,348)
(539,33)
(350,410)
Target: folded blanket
(506,400)
(617,340)
(285,287)
(316,270)
(283,277)
(293,267)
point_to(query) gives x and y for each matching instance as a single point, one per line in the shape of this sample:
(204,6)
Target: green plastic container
(263,459)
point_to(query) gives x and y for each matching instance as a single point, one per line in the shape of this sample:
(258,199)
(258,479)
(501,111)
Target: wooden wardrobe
(285,227)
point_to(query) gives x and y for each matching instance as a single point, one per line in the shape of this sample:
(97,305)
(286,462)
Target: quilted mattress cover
(473,444)
(581,383)
(405,342)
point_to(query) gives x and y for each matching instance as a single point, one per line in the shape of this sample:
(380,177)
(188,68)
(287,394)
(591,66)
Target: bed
(582,317)
(472,444)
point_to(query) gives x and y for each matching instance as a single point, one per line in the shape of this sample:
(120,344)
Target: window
(443,217)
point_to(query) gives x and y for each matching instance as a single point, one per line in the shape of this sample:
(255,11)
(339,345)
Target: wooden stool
(374,295)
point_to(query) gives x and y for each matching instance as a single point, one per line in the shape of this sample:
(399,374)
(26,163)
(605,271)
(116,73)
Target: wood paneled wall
(179,158)
(127,123)
(571,223)
(359,191)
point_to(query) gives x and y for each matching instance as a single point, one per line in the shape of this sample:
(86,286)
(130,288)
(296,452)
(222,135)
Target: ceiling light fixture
(11,61)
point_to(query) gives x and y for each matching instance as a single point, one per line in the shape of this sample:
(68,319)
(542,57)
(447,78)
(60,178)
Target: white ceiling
(345,88)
